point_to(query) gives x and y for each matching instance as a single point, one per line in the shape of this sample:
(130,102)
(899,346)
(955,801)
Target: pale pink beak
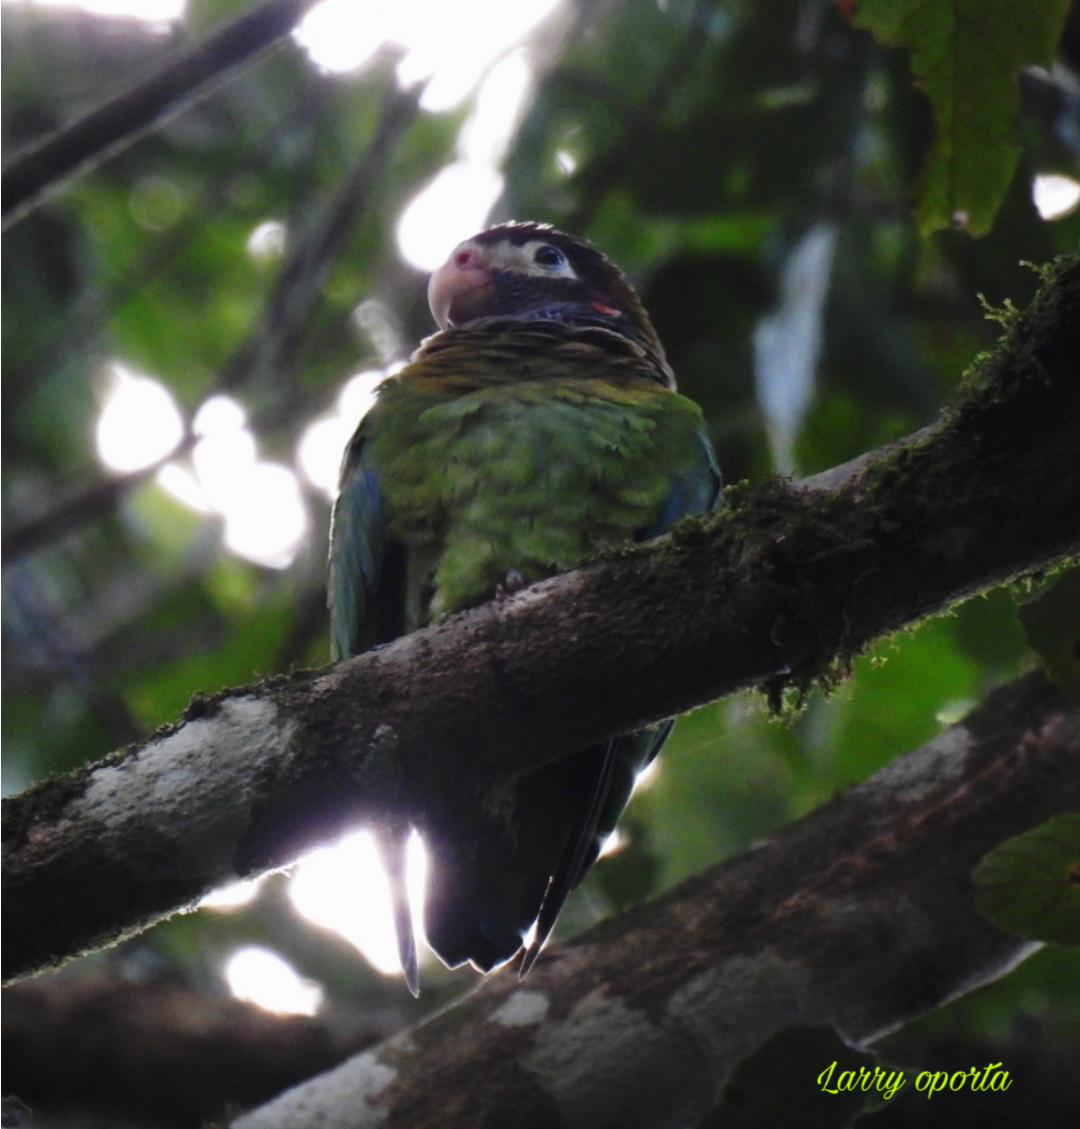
(459,289)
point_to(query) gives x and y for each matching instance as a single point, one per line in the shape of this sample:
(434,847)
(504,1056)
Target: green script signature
(991,1077)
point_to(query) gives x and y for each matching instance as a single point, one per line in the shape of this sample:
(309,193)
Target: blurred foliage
(959,66)
(705,139)
(1051,622)
(1030,884)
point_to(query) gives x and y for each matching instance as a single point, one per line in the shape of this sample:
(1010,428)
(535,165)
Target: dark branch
(859,916)
(159,1053)
(90,503)
(781,589)
(274,343)
(167,90)
(636,120)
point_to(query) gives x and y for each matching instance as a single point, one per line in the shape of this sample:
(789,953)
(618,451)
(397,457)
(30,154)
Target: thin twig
(610,166)
(165,91)
(273,344)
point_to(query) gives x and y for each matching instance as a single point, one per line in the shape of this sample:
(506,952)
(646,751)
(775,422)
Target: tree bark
(859,916)
(782,588)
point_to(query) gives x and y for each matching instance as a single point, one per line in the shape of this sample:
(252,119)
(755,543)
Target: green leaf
(1030,884)
(1051,621)
(967,56)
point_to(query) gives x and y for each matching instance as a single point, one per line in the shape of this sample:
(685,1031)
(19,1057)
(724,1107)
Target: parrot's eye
(547,256)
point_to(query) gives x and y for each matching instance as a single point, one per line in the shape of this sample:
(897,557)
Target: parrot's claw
(514,583)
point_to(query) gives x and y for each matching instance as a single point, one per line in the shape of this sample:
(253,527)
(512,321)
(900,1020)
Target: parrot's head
(531,270)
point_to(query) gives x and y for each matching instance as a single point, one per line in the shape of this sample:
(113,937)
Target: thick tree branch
(859,916)
(170,88)
(778,589)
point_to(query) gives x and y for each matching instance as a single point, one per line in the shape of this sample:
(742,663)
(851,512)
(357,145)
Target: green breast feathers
(530,471)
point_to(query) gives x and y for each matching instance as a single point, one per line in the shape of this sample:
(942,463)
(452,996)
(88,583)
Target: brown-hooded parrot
(540,423)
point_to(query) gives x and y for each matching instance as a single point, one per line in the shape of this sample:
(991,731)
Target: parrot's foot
(514,583)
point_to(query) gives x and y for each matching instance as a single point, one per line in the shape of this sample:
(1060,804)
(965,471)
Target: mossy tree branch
(780,589)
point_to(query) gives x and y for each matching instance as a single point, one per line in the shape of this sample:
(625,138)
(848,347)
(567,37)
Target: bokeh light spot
(344,888)
(263,978)
(139,423)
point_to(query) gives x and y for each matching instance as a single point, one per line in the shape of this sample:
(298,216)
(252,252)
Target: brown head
(533,271)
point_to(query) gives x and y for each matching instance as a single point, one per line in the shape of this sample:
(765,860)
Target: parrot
(537,425)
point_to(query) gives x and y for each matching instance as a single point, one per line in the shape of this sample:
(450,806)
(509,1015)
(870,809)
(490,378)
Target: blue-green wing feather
(358,544)
(695,492)
(365,598)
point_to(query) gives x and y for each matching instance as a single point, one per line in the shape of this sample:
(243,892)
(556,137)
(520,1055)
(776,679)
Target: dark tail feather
(481,895)
(493,875)
(489,873)
(392,843)
(573,863)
